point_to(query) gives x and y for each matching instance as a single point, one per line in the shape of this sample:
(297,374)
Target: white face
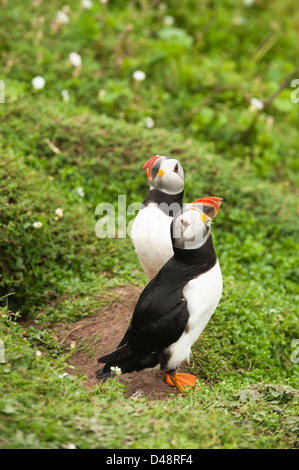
(191,229)
(167,175)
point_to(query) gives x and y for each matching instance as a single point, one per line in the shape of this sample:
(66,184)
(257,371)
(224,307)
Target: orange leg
(180,381)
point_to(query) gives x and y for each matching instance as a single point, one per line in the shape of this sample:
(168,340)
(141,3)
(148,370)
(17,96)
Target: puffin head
(165,174)
(192,226)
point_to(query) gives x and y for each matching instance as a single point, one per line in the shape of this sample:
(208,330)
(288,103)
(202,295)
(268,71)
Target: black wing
(161,332)
(159,318)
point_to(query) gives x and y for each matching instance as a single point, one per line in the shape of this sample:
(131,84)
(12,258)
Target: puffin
(150,232)
(176,305)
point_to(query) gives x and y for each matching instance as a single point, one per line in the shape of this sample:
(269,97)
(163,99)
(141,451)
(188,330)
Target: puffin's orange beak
(210,205)
(149,165)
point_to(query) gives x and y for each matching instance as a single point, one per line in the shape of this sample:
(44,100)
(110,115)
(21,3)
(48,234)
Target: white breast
(150,235)
(202,295)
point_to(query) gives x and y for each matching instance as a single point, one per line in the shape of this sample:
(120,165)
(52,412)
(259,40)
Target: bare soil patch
(99,334)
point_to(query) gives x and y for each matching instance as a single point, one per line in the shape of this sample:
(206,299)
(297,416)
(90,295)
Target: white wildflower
(38,353)
(38,82)
(149,122)
(87,4)
(71,446)
(168,20)
(62,17)
(115,370)
(65,95)
(256,104)
(75,59)
(248,3)
(239,20)
(59,212)
(101,94)
(61,376)
(80,192)
(37,224)
(139,76)
(66,9)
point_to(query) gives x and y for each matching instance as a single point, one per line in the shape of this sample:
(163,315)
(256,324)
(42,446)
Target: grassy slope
(61,271)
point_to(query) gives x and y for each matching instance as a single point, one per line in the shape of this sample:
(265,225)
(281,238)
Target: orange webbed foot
(180,381)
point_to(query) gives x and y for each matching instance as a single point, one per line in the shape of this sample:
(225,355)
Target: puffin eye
(176,168)
(185,224)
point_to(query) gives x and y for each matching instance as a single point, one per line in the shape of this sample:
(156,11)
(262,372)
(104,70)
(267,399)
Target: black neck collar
(202,259)
(158,197)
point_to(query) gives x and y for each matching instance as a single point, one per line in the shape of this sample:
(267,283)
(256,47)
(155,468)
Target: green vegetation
(201,70)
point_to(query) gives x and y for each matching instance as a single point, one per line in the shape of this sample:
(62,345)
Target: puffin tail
(118,358)
(122,353)
(127,361)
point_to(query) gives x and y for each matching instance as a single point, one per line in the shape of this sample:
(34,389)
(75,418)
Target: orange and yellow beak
(208,205)
(149,165)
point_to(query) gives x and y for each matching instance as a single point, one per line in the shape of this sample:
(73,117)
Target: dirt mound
(99,334)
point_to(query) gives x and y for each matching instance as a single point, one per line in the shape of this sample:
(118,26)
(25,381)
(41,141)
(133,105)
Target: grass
(62,272)
(65,413)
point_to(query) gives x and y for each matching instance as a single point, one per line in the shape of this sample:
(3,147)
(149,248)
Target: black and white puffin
(150,232)
(177,303)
